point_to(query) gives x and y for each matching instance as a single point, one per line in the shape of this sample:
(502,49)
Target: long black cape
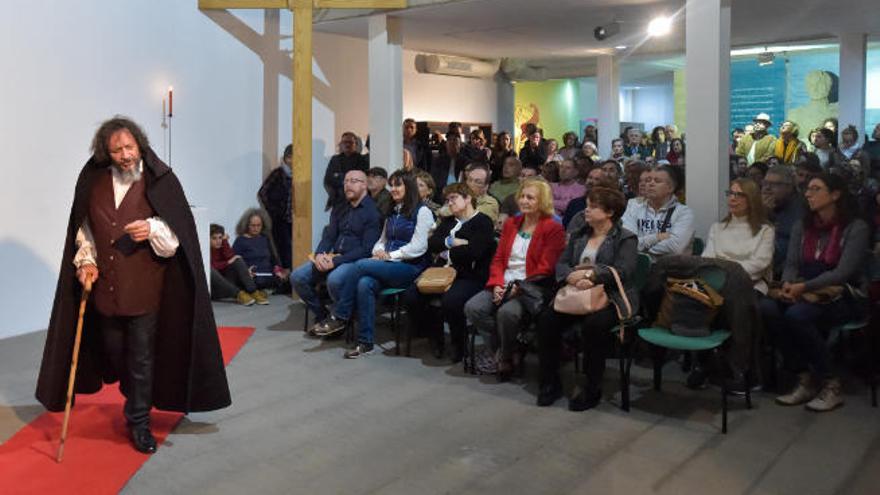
(189,374)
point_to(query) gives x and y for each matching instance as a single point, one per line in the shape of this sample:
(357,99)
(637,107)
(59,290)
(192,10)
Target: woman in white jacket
(745,236)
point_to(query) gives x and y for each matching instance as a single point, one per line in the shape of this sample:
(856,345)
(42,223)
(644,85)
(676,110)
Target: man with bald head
(355,226)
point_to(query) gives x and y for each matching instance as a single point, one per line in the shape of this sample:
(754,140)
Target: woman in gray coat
(599,241)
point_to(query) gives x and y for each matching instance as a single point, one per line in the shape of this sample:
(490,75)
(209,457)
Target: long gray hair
(242,226)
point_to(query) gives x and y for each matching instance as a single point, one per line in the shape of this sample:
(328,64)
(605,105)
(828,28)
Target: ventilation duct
(455,66)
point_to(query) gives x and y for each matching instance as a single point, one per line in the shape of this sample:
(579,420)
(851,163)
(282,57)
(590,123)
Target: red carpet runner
(98,457)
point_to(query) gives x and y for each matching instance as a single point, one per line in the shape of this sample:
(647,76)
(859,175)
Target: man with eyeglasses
(348,158)
(354,228)
(784,206)
(477,178)
(664,226)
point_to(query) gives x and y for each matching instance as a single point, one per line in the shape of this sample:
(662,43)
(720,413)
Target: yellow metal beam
(242,4)
(360,4)
(302,134)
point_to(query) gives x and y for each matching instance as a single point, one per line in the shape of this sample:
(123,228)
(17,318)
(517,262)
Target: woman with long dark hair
(824,284)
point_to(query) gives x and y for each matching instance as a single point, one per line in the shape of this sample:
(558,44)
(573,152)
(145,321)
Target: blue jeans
(370,277)
(306,276)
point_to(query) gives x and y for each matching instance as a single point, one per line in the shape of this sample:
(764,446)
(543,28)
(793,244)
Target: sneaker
(802,393)
(314,328)
(261,297)
(829,397)
(244,298)
(330,326)
(359,350)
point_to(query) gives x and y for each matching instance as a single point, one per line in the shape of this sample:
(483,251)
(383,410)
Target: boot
(803,392)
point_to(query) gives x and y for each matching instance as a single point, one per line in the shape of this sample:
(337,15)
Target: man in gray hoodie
(664,226)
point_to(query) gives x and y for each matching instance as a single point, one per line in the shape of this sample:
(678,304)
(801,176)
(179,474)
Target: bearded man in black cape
(149,321)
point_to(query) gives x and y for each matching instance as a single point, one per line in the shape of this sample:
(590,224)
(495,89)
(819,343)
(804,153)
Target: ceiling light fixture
(660,26)
(620,47)
(606,31)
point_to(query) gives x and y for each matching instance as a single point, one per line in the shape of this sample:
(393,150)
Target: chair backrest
(643,269)
(714,276)
(698,246)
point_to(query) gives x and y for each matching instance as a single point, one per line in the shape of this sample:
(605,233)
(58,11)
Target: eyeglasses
(353,181)
(735,194)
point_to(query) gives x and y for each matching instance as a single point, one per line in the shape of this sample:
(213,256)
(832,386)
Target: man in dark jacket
(349,158)
(421,153)
(354,228)
(149,322)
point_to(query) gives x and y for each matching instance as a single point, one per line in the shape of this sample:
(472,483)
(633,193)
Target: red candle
(170,101)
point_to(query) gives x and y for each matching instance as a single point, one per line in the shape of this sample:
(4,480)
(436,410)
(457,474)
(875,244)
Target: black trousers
(282,232)
(129,345)
(451,309)
(230,280)
(595,333)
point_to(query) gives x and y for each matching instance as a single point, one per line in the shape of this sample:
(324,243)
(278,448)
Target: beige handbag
(436,280)
(573,301)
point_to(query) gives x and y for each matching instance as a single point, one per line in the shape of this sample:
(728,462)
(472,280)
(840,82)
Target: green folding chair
(662,339)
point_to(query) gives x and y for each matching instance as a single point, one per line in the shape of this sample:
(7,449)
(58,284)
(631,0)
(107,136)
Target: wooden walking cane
(73,363)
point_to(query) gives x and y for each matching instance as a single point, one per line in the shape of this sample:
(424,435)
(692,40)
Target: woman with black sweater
(466,241)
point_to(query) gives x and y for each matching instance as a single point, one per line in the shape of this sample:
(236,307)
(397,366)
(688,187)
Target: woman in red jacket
(521,274)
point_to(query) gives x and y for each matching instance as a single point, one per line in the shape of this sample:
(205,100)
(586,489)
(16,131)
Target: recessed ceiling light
(659,26)
(620,47)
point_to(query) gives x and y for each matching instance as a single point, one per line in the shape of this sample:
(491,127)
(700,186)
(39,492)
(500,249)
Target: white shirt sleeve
(162,239)
(757,264)
(380,244)
(86,254)
(418,245)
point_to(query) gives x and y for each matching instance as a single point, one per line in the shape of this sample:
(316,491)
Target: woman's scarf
(829,253)
(786,152)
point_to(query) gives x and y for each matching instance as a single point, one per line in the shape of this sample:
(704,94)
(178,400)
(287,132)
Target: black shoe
(330,326)
(438,348)
(549,393)
(456,355)
(736,384)
(697,379)
(143,440)
(585,399)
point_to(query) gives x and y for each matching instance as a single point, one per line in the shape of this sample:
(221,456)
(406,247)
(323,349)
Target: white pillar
(386,92)
(608,91)
(852,81)
(504,118)
(269,54)
(707,82)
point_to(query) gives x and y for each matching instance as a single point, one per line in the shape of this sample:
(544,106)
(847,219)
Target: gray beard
(129,176)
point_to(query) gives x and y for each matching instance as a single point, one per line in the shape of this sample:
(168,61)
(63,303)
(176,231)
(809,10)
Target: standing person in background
(617,150)
(502,149)
(276,197)
(634,147)
(659,144)
(591,134)
(570,146)
(533,154)
(419,150)
(676,152)
(476,149)
(349,158)
(788,147)
(759,145)
(447,168)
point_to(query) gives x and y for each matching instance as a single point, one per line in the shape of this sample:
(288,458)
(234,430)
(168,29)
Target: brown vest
(131,274)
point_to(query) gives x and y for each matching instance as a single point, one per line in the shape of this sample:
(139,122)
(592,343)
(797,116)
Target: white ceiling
(560,32)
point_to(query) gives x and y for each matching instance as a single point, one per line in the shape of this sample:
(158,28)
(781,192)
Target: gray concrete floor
(304,420)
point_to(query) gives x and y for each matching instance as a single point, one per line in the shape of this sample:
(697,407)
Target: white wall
(67,66)
(447,98)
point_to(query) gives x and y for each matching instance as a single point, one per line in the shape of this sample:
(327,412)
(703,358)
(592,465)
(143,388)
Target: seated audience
(570,146)
(663,225)
(477,179)
(601,242)
(348,158)
(632,174)
(466,242)
(551,151)
(448,167)
(550,171)
(533,154)
(828,253)
(826,151)
(350,236)
(589,150)
(744,236)
(509,182)
(521,274)
(399,256)
(275,197)
(806,169)
(425,183)
(476,149)
(676,152)
(229,273)
(617,151)
(502,149)
(756,172)
(784,207)
(255,246)
(567,188)
(659,143)
(577,205)
(634,147)
(377,178)
(510,207)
